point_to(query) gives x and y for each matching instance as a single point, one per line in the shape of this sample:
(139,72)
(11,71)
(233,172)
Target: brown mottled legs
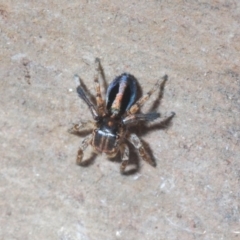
(86,141)
(143,99)
(134,139)
(125,157)
(99,99)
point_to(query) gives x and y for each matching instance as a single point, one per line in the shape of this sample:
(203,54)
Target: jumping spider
(113,118)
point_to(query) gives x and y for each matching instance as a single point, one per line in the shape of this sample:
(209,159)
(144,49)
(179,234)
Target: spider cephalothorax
(113,117)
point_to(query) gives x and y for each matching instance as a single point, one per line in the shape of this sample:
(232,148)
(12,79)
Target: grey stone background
(193,193)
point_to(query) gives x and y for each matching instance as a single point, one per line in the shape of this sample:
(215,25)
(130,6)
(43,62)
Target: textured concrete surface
(193,193)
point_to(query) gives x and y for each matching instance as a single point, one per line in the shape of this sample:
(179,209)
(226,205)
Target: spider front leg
(100,102)
(86,141)
(134,139)
(125,157)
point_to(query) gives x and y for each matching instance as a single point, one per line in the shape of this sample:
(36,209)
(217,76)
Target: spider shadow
(90,161)
(91,96)
(133,163)
(162,125)
(145,128)
(134,158)
(157,101)
(83,133)
(86,90)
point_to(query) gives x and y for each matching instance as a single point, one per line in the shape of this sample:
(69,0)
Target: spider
(110,128)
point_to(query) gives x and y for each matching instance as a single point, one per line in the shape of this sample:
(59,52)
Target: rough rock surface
(193,193)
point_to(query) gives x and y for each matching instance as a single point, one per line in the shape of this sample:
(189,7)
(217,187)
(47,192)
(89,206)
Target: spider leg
(86,141)
(81,126)
(134,139)
(143,99)
(82,95)
(100,102)
(134,119)
(125,157)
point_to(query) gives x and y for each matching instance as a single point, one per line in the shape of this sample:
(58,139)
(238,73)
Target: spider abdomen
(121,94)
